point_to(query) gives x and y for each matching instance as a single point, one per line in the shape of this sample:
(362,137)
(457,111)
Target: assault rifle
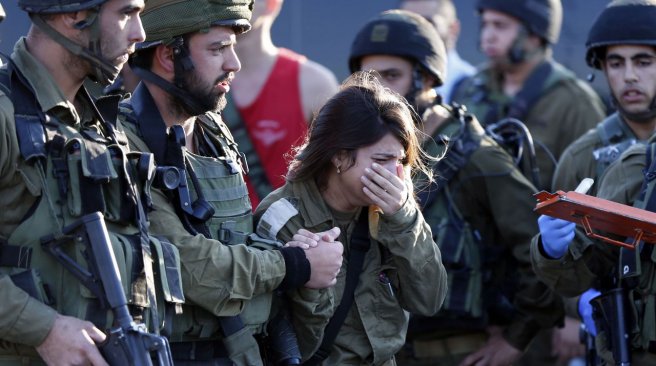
(127,343)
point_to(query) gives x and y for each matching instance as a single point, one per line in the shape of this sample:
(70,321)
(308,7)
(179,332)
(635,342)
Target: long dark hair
(359,115)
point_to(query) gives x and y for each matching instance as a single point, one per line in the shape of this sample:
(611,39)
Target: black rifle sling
(456,158)
(233,119)
(358,248)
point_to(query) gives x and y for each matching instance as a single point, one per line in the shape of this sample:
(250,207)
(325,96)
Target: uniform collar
(317,212)
(47,92)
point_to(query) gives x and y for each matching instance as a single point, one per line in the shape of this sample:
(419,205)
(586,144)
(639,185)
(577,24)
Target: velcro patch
(275,217)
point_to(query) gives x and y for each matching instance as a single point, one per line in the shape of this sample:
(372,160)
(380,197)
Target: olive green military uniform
(590,154)
(491,195)
(32,208)
(588,157)
(221,278)
(565,110)
(586,262)
(402,272)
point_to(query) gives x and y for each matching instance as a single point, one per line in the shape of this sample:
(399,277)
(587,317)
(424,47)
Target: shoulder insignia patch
(275,217)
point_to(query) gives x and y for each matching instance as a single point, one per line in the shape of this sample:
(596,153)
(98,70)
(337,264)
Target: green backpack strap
(233,119)
(615,138)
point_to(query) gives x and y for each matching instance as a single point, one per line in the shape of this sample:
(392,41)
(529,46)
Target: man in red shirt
(275,94)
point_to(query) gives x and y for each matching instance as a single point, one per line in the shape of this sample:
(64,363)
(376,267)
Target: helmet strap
(102,71)
(639,117)
(182,63)
(416,87)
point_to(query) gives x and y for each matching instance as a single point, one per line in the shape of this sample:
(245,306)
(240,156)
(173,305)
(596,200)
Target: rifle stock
(611,317)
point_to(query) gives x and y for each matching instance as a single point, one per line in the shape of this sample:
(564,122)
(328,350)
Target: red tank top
(275,120)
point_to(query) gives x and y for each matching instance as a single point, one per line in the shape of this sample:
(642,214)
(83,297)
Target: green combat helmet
(404,34)
(103,71)
(541,17)
(621,22)
(166,22)
(628,22)
(401,33)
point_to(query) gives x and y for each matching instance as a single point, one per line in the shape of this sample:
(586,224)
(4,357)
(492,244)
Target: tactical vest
(215,179)
(74,173)
(638,270)
(220,182)
(460,244)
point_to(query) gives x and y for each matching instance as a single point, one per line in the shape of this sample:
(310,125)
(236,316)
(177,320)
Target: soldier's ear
(340,161)
(69,23)
(164,58)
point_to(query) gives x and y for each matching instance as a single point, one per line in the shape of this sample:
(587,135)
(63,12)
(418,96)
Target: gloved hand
(585,310)
(556,235)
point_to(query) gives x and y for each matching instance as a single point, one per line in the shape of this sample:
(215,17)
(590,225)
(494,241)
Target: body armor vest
(214,189)
(78,172)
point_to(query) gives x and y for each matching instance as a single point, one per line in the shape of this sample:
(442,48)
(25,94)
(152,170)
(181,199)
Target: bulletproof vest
(615,137)
(221,184)
(460,244)
(77,171)
(214,181)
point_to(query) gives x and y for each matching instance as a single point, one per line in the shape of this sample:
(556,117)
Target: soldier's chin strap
(191,106)
(103,71)
(182,63)
(642,116)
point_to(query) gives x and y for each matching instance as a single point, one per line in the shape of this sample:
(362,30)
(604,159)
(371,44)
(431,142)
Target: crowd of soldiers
(134,229)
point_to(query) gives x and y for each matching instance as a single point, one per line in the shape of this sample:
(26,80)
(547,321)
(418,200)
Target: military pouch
(131,268)
(166,269)
(243,348)
(30,282)
(90,169)
(229,235)
(461,256)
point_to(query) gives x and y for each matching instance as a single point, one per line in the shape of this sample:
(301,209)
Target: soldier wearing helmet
(186,65)
(622,44)
(522,81)
(474,227)
(62,159)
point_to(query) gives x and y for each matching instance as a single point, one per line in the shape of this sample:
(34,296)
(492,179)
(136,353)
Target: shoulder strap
(358,247)
(610,129)
(27,114)
(532,90)
(235,122)
(457,156)
(616,137)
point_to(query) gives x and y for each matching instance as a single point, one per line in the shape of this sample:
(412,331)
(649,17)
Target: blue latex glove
(556,235)
(585,310)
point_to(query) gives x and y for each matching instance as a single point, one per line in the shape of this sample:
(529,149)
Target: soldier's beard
(203,93)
